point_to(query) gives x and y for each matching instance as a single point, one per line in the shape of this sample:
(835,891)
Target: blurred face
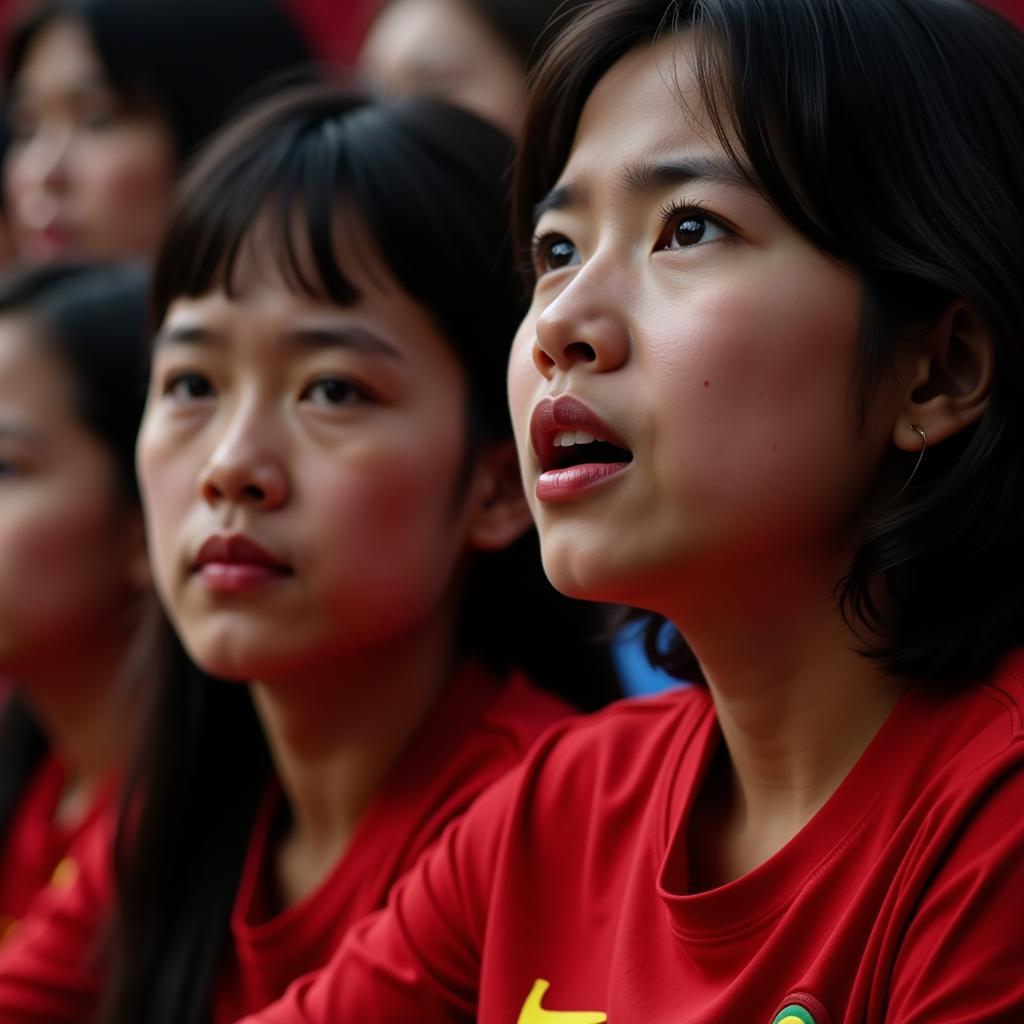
(681,387)
(65,555)
(443,48)
(302,471)
(85,175)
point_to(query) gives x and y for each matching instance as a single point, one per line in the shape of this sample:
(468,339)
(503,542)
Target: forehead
(646,105)
(61,56)
(32,376)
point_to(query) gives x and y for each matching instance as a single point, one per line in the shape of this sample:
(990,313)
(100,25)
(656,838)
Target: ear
(501,515)
(948,379)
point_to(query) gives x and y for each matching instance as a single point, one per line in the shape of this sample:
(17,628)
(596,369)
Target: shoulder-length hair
(890,133)
(428,183)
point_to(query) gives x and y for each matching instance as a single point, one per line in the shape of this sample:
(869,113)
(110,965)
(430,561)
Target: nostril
(543,361)
(253,492)
(580,351)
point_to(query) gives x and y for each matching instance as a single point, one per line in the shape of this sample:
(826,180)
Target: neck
(796,703)
(334,736)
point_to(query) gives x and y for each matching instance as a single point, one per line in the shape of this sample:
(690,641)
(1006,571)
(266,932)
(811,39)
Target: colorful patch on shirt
(533,1013)
(794,1015)
(801,1008)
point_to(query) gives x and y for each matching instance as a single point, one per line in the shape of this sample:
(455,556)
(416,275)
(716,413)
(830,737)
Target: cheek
(53,561)
(125,190)
(386,528)
(756,391)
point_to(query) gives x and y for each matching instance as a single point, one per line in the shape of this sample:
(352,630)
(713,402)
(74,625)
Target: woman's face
(680,317)
(442,48)
(69,543)
(86,176)
(303,472)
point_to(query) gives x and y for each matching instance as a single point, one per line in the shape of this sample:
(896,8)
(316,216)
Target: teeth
(567,438)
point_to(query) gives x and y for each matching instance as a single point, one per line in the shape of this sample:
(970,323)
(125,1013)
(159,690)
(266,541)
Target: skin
(86,175)
(72,561)
(343,459)
(443,48)
(721,345)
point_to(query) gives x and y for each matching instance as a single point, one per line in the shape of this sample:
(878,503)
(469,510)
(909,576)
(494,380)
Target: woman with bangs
(336,519)
(778,248)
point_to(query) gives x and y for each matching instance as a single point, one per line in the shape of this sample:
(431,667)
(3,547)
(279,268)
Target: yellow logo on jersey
(533,1013)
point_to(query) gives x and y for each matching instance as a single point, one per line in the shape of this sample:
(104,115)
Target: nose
(582,328)
(244,469)
(46,158)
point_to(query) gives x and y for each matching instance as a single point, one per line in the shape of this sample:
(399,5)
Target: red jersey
(563,895)
(478,729)
(35,852)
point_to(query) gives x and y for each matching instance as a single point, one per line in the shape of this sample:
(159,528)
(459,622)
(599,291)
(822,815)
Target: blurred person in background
(107,98)
(474,53)
(73,571)
(336,521)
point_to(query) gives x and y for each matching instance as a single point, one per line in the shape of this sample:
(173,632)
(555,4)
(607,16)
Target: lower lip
(236,578)
(567,484)
(51,243)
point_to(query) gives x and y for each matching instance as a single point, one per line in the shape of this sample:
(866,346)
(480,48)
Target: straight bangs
(278,190)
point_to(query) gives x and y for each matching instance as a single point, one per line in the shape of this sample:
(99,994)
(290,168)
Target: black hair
(196,62)
(94,318)
(427,182)
(890,133)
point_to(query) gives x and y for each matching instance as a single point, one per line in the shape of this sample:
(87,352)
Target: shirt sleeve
(50,969)
(962,958)
(418,958)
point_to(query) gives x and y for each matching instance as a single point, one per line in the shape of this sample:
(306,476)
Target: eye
(188,387)
(552,251)
(6,468)
(334,391)
(687,226)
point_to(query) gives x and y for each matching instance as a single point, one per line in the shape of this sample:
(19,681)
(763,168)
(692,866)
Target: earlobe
(951,378)
(501,515)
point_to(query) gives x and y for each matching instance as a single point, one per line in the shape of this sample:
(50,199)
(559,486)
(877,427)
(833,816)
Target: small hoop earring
(919,430)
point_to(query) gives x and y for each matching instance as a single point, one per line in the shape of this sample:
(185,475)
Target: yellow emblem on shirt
(533,1013)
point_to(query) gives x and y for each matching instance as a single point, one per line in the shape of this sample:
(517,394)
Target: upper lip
(237,549)
(566,412)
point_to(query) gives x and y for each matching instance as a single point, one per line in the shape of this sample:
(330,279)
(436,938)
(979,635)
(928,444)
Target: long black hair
(94,319)
(429,184)
(196,62)
(890,133)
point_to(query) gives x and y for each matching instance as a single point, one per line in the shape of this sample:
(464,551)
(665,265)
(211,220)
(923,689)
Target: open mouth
(577,448)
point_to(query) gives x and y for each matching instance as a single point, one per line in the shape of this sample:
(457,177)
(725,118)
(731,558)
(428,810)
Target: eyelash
(668,213)
(672,211)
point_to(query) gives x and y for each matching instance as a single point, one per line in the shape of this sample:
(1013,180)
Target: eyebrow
(653,176)
(318,336)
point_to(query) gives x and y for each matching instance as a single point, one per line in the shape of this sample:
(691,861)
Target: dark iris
(193,385)
(560,252)
(335,391)
(690,230)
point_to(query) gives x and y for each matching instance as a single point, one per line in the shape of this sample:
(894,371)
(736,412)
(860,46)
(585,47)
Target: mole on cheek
(707,383)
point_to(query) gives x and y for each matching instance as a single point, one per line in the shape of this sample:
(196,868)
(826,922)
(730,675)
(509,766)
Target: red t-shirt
(35,852)
(565,888)
(478,730)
